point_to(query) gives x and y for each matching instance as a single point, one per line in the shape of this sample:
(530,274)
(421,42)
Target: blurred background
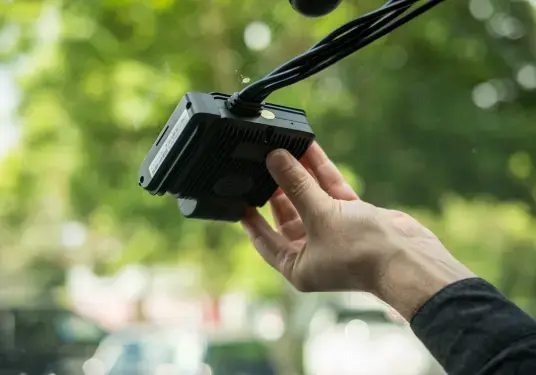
(97,277)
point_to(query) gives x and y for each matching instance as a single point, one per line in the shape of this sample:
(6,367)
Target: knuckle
(368,218)
(325,218)
(300,185)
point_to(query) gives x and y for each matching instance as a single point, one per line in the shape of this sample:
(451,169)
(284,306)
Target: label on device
(169,142)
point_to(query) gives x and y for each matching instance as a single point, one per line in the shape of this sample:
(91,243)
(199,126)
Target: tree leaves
(399,115)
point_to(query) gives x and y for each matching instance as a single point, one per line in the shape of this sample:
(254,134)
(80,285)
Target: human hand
(327,239)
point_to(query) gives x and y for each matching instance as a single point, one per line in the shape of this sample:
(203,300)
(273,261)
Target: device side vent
(218,160)
(266,185)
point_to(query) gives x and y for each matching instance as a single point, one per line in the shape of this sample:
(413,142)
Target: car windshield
(116,129)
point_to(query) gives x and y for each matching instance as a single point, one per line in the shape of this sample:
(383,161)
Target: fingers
(327,174)
(271,245)
(282,208)
(299,186)
(288,221)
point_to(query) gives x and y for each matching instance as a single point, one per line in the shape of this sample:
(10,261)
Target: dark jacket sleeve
(472,329)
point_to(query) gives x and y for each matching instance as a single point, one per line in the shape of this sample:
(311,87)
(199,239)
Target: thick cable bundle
(342,42)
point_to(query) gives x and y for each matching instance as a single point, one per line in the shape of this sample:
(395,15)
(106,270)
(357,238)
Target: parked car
(239,357)
(43,341)
(149,349)
(364,341)
(165,350)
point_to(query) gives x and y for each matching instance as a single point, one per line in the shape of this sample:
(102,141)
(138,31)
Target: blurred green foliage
(100,78)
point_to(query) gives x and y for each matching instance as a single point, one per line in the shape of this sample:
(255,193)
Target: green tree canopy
(440,106)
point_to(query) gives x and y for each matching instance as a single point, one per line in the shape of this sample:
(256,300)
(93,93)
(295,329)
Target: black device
(211,153)
(213,161)
(315,8)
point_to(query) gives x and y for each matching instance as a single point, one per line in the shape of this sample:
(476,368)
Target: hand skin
(327,239)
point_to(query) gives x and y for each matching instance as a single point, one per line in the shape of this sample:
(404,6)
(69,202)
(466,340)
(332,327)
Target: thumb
(299,186)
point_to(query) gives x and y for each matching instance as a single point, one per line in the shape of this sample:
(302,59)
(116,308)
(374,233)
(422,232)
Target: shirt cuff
(469,322)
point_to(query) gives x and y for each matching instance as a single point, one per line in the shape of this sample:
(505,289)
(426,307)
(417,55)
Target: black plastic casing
(214,162)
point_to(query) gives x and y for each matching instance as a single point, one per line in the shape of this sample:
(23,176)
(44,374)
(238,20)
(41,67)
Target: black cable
(352,36)
(325,46)
(387,7)
(346,51)
(365,20)
(337,45)
(353,44)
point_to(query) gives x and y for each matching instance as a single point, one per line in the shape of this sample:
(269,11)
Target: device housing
(214,162)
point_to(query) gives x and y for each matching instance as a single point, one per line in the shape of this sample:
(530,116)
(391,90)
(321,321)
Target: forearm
(412,278)
(467,325)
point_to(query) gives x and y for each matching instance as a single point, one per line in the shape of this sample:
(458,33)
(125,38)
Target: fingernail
(278,159)
(277,193)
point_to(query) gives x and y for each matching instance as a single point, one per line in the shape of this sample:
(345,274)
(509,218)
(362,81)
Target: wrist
(411,278)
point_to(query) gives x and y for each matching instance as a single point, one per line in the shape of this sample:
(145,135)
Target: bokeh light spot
(485,95)
(257,36)
(481,9)
(526,76)
(520,165)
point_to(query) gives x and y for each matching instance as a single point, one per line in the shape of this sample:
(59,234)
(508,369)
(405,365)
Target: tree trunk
(298,309)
